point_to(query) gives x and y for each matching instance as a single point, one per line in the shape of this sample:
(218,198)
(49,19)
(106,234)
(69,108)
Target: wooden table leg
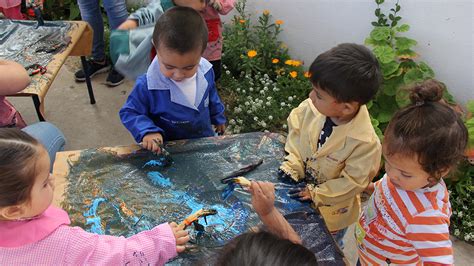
(88,79)
(37,103)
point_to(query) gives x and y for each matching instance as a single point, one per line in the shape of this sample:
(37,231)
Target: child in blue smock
(177,97)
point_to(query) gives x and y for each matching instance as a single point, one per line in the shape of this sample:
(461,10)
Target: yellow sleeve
(293,164)
(360,168)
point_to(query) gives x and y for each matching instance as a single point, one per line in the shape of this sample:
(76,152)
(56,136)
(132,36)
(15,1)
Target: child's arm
(360,167)
(263,198)
(134,113)
(143,16)
(13,77)
(293,164)
(216,108)
(152,247)
(429,234)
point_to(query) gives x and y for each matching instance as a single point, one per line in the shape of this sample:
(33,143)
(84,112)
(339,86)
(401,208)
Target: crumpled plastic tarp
(123,195)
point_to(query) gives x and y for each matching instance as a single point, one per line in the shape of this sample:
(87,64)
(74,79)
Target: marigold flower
(293,74)
(266,12)
(275,60)
(289,62)
(251,53)
(242,21)
(296,63)
(278,21)
(307,74)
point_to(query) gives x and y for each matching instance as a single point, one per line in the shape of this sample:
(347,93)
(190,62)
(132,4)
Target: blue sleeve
(215,105)
(148,14)
(134,113)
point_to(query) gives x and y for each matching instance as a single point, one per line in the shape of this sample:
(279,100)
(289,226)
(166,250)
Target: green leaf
(390,87)
(402,98)
(73,11)
(377,12)
(385,54)
(413,75)
(403,28)
(406,54)
(427,71)
(380,33)
(404,43)
(379,2)
(389,68)
(470,106)
(397,7)
(375,24)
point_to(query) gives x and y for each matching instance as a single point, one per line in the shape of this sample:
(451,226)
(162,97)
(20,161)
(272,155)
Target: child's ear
(350,108)
(12,212)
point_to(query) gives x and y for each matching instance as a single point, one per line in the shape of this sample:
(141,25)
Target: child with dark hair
(263,248)
(177,97)
(407,218)
(33,232)
(331,143)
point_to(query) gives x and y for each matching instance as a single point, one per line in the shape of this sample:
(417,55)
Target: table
(81,35)
(123,190)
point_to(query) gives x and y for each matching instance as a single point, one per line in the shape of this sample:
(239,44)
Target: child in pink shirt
(33,232)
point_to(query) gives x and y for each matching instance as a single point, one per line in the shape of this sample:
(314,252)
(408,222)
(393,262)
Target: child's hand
(216,4)
(220,129)
(263,197)
(181,236)
(301,194)
(152,142)
(128,24)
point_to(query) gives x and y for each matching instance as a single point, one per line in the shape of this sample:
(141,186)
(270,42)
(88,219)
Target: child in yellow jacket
(331,143)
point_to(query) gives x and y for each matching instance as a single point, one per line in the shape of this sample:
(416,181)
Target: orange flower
(289,62)
(293,74)
(278,21)
(307,74)
(242,21)
(293,62)
(266,12)
(251,53)
(275,60)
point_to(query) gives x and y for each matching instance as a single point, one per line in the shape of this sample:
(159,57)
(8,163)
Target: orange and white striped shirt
(405,227)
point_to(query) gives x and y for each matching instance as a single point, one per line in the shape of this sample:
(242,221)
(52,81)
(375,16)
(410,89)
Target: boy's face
(325,103)
(178,66)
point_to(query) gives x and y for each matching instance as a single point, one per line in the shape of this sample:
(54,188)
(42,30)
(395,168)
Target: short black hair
(348,72)
(263,248)
(181,29)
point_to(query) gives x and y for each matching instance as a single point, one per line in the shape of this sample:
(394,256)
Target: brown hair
(18,152)
(427,129)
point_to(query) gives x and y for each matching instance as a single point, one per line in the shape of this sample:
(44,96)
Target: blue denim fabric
(49,135)
(90,11)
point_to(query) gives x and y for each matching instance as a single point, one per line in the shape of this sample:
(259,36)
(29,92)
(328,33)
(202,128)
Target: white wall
(444,31)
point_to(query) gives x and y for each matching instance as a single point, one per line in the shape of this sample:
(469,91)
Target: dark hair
(428,129)
(348,72)
(18,152)
(263,248)
(181,29)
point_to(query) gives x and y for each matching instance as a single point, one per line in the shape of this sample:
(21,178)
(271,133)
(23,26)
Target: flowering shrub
(261,83)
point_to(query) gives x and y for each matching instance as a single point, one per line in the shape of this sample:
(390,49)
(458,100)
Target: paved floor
(87,126)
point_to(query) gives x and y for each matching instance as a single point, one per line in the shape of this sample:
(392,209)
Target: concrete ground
(88,126)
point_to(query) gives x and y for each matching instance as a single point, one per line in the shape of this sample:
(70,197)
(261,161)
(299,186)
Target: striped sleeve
(428,232)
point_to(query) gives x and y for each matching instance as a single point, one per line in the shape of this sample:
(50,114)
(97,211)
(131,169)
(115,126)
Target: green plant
(261,84)
(61,10)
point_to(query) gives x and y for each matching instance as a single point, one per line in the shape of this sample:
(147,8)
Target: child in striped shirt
(407,217)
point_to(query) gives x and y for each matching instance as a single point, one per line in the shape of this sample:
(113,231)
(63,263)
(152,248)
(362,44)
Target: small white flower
(224,66)
(232,122)
(270,117)
(266,131)
(250,89)
(243,91)
(268,104)
(238,89)
(269,98)
(290,98)
(255,118)
(282,104)
(264,124)
(460,214)
(262,92)
(456,232)
(260,101)
(285,126)
(265,88)
(247,103)
(265,75)
(240,121)
(227,72)
(249,111)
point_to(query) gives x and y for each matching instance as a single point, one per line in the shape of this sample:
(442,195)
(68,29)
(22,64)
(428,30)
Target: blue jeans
(49,135)
(339,237)
(90,11)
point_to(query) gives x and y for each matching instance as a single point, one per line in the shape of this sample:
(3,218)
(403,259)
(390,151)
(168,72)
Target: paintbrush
(236,178)
(194,219)
(164,157)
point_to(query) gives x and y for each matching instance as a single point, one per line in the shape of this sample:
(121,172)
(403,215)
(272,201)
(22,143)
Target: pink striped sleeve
(227,6)
(155,247)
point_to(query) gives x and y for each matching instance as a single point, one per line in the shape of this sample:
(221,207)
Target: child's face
(325,103)
(42,192)
(178,66)
(405,172)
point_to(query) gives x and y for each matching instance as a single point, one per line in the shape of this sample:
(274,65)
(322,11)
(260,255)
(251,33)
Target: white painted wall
(444,31)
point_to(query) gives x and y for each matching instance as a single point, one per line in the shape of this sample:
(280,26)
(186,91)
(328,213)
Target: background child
(331,143)
(34,232)
(177,98)
(13,79)
(210,10)
(407,218)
